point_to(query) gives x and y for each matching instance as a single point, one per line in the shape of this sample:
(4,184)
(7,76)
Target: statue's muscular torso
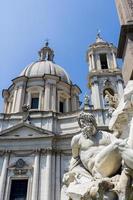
(89,148)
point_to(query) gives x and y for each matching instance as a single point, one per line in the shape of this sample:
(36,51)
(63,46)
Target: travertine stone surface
(125,11)
(127,70)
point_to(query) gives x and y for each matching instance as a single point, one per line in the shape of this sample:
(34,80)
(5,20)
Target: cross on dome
(46,42)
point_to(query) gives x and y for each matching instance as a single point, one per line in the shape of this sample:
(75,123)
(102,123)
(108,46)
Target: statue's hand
(120,144)
(116,144)
(123,145)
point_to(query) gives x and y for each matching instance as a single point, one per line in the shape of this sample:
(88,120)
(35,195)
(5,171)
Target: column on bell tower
(91,61)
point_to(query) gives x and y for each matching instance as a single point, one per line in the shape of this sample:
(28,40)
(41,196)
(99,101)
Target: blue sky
(70,25)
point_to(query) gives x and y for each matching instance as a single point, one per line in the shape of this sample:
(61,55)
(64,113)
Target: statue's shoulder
(76,138)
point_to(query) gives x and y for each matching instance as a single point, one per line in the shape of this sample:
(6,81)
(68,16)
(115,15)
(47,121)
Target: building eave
(125,29)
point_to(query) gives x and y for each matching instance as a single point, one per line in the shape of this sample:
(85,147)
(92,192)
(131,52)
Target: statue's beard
(88,131)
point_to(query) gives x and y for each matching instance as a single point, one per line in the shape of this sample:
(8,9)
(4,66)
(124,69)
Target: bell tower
(105,78)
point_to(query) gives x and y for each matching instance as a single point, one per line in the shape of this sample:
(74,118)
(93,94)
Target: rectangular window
(103,60)
(61,106)
(34,101)
(18,189)
(131,78)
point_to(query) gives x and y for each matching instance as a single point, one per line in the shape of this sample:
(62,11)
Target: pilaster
(120,87)
(90,62)
(54,99)
(4,176)
(95,94)
(98,62)
(48,191)
(73,101)
(14,101)
(47,96)
(114,60)
(19,99)
(93,62)
(40,100)
(36,176)
(67,105)
(108,60)
(58,175)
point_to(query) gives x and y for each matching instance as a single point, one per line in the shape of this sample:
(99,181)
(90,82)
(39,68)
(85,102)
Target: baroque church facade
(40,119)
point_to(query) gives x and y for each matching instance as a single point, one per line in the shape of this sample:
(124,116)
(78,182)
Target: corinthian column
(35,177)
(4,176)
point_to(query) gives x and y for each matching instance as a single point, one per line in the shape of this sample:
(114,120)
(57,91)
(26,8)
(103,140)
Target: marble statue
(97,157)
(111,101)
(86,102)
(26,114)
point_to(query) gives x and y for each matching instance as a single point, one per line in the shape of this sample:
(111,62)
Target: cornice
(104,73)
(125,30)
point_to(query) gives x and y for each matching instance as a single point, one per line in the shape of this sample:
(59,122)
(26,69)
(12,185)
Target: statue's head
(87,123)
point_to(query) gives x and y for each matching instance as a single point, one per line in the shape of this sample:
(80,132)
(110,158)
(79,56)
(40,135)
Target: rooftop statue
(111,100)
(97,156)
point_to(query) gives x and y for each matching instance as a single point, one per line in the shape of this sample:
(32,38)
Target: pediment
(24,130)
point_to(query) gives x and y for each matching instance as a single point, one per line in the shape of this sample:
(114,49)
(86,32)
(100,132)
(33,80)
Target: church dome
(46,66)
(43,67)
(42,86)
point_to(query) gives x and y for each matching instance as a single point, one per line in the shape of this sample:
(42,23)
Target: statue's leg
(108,161)
(127,156)
(124,186)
